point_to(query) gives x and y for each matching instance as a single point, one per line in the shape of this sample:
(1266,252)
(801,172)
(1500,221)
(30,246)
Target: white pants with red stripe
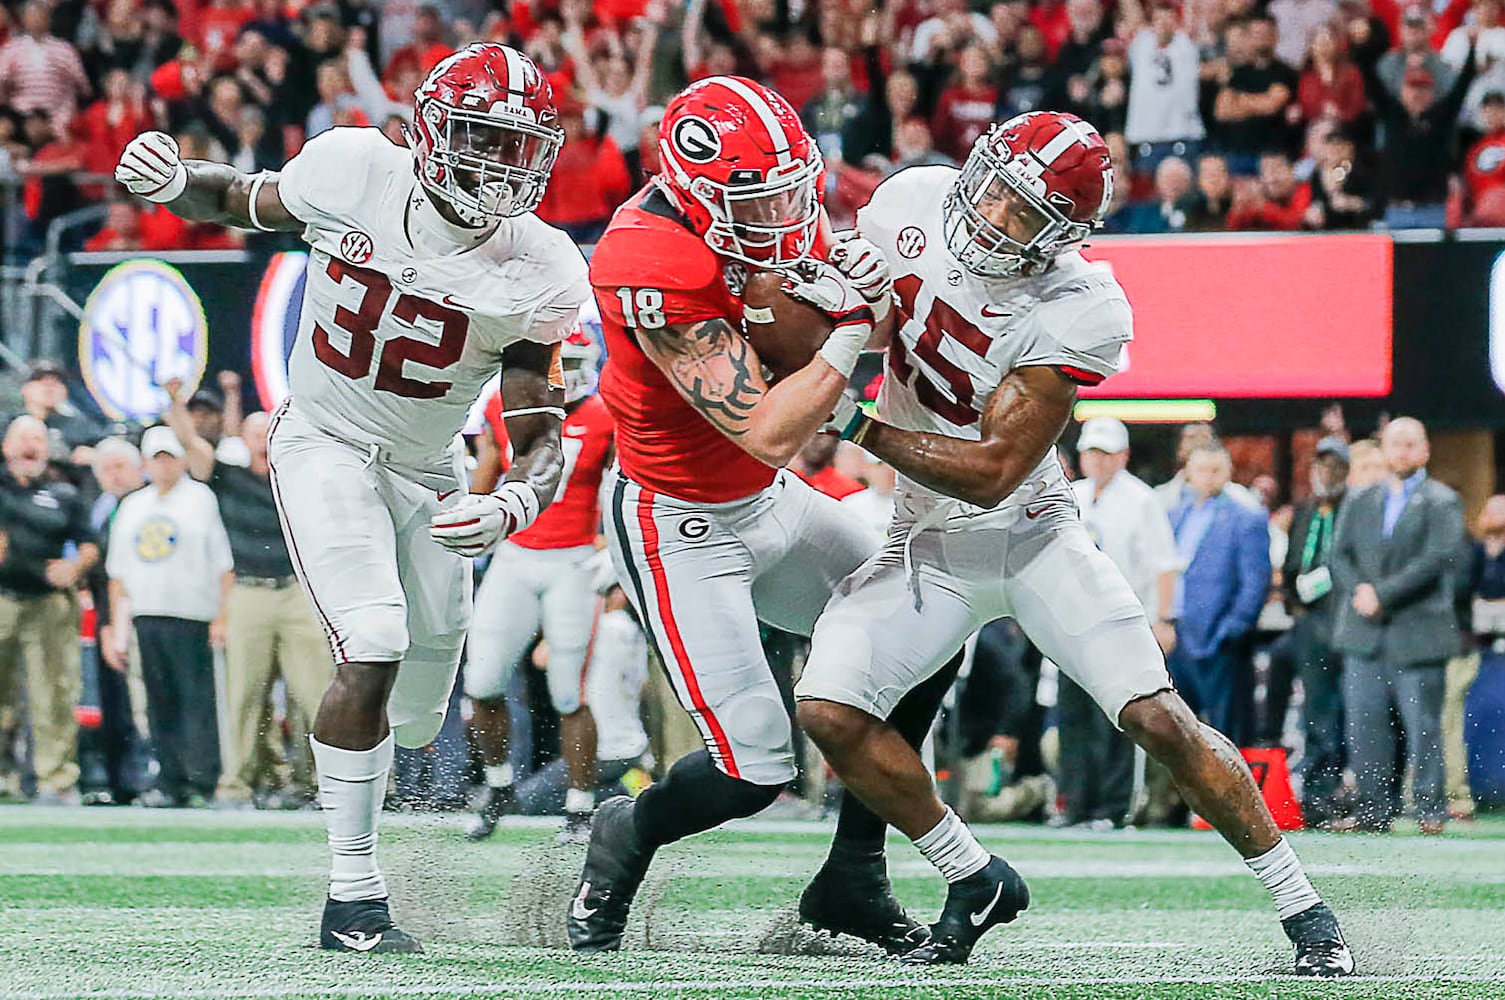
(944,573)
(356,523)
(525,590)
(702,576)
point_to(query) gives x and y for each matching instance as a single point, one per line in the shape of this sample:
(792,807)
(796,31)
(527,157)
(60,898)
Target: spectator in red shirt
(426,49)
(1277,202)
(218,27)
(122,229)
(49,190)
(112,121)
(965,110)
(815,465)
(590,179)
(1331,86)
(1484,166)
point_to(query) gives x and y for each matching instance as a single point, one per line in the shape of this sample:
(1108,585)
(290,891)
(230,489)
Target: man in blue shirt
(1395,559)
(1226,549)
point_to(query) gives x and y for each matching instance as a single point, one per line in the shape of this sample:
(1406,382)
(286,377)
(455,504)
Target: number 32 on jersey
(361,325)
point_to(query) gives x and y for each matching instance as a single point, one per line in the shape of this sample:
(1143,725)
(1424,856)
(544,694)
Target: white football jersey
(958,335)
(395,344)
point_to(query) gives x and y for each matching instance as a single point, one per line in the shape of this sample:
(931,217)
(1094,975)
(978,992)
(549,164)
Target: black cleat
(615,864)
(855,897)
(995,895)
(498,802)
(363,925)
(1321,951)
(577,829)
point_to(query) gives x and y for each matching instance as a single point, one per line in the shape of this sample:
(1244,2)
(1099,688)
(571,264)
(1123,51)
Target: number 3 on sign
(642,307)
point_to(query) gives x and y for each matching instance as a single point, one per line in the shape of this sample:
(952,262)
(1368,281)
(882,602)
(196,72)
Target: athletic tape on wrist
(525,496)
(844,346)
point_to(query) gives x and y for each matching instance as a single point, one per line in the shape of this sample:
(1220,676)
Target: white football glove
(824,287)
(151,169)
(866,268)
(475,524)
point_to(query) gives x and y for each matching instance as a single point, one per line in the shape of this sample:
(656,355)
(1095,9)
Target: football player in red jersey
(541,579)
(1001,320)
(707,531)
(428,272)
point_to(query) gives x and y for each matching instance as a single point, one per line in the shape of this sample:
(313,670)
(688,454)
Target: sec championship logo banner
(142,326)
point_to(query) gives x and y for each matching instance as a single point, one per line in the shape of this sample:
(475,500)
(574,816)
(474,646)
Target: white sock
(952,848)
(1281,872)
(499,775)
(578,800)
(352,785)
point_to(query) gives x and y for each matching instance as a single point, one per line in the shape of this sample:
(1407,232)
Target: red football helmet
(485,133)
(1032,187)
(740,166)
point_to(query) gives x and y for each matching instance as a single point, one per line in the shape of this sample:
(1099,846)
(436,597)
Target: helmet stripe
(765,115)
(1070,135)
(516,77)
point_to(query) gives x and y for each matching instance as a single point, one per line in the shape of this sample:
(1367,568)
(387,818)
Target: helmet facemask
(998,222)
(580,363)
(769,223)
(486,166)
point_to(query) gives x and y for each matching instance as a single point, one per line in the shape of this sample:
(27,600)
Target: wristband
(256,184)
(845,345)
(864,424)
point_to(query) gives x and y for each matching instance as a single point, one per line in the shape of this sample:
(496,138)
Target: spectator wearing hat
(1417,152)
(270,628)
(1126,521)
(44,395)
(169,564)
(1415,51)
(1164,118)
(47,547)
(1484,166)
(1394,562)
(1307,586)
(1225,548)
(1250,108)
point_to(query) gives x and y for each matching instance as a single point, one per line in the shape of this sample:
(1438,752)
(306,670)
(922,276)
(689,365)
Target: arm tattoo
(713,367)
(539,455)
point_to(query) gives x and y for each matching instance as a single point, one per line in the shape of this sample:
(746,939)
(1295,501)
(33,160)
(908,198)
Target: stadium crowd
(1222,114)
(168,542)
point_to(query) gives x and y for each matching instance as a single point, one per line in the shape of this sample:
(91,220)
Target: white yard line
(659,987)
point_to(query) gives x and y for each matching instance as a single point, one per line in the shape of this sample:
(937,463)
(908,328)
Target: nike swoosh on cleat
(578,909)
(446,495)
(358,940)
(981,916)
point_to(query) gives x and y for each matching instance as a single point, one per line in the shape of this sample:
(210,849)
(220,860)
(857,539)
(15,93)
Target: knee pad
(376,633)
(757,725)
(420,697)
(565,675)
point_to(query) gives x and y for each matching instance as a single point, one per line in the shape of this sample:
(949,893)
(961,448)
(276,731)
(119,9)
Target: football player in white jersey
(1000,319)
(427,273)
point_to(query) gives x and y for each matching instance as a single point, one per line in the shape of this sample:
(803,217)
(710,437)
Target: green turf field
(132,903)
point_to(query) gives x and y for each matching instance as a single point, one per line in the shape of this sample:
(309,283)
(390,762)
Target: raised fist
(151,169)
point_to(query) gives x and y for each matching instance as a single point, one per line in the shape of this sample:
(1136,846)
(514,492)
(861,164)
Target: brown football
(784,331)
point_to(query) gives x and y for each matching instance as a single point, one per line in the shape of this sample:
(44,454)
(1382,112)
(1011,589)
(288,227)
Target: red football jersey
(650,270)
(575,515)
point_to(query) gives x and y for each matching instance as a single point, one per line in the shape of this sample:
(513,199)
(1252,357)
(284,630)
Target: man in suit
(1225,547)
(1393,571)
(1307,585)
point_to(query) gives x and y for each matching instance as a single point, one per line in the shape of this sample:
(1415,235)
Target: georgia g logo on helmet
(696,139)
